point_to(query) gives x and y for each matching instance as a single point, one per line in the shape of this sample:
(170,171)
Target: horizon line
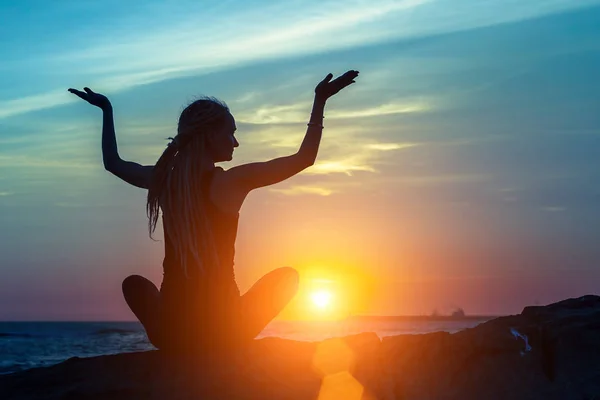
(405,316)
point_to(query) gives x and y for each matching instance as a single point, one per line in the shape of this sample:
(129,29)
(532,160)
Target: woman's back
(223,227)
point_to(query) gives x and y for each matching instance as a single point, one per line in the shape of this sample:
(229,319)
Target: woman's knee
(143,299)
(278,286)
(288,277)
(131,282)
(288,273)
(139,293)
(292,275)
(135,283)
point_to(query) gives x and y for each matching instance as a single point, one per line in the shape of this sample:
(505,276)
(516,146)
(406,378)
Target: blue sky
(467,152)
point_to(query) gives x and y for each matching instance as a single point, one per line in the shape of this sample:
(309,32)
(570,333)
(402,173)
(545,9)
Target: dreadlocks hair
(176,188)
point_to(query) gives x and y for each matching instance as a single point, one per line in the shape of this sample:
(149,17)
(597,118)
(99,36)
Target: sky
(461,170)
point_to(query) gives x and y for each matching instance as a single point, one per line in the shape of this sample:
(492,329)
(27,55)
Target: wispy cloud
(300,190)
(140,57)
(257,35)
(347,167)
(434,180)
(346,149)
(384,109)
(275,114)
(178,45)
(44,163)
(247,97)
(297,113)
(389,146)
(32,103)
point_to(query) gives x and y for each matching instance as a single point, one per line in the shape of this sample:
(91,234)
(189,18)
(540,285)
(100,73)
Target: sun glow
(329,292)
(321,299)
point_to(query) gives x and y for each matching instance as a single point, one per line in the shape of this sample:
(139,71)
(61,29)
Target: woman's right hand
(95,99)
(327,87)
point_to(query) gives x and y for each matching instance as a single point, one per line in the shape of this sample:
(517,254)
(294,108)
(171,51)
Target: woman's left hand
(95,99)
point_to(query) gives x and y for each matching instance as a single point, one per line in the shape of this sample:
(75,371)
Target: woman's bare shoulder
(225,192)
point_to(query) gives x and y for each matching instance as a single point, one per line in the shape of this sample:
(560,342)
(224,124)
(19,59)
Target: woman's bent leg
(143,298)
(266,298)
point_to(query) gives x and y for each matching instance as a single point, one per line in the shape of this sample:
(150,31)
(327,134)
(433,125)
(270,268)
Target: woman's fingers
(328,77)
(347,77)
(79,93)
(95,99)
(328,87)
(326,80)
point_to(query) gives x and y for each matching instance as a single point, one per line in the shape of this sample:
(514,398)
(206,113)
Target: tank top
(224,227)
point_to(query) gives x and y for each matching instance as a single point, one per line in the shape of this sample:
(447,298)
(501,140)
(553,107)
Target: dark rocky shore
(560,360)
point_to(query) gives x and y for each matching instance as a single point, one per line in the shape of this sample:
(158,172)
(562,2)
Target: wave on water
(113,331)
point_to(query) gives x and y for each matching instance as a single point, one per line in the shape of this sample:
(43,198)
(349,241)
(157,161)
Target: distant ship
(460,314)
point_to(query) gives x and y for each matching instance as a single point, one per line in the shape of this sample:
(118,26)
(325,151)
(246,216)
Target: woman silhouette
(199,305)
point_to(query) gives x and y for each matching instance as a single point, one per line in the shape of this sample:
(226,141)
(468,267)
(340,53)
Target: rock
(489,362)
(485,362)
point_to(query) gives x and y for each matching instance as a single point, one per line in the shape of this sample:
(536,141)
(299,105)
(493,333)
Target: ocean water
(25,345)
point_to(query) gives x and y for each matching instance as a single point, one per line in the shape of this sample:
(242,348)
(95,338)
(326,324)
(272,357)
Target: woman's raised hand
(327,87)
(95,99)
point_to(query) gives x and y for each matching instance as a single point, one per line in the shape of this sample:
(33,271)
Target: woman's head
(205,135)
(210,121)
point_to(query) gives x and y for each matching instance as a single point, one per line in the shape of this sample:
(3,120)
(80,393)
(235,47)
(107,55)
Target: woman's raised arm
(254,175)
(131,172)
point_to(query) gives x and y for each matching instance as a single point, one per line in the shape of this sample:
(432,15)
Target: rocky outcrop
(546,352)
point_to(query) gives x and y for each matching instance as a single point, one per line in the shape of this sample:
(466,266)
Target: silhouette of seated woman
(199,305)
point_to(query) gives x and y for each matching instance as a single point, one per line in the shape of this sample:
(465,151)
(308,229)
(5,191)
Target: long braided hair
(176,188)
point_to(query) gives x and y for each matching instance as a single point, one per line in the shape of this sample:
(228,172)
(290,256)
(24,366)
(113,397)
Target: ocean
(25,345)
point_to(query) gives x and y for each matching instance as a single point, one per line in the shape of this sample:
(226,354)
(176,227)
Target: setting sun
(329,291)
(321,299)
